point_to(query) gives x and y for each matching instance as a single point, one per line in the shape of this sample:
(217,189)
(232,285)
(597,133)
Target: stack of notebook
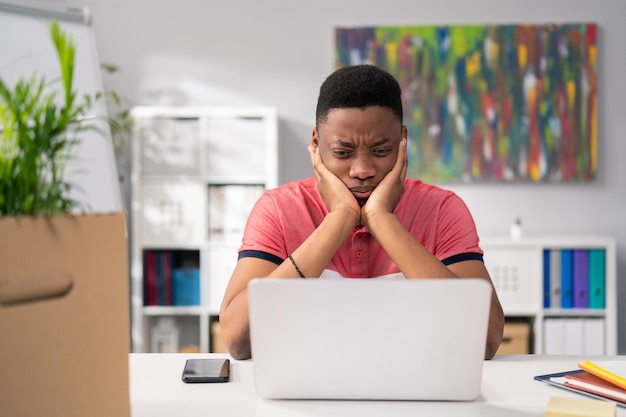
(600,379)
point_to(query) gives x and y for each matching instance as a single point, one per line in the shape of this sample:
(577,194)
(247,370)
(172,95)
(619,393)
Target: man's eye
(341,154)
(382,151)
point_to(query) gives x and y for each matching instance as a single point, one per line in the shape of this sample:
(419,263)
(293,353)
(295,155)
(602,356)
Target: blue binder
(546,278)
(567,279)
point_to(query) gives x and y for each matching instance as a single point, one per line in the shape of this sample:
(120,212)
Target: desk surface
(508,390)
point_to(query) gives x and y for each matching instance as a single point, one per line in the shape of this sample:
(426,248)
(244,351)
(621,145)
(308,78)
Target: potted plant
(64,302)
(37,137)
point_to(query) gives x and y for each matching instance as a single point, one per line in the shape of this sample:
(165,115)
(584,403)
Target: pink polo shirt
(285,216)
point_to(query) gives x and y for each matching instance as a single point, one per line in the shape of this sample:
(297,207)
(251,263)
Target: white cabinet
(564,285)
(196,173)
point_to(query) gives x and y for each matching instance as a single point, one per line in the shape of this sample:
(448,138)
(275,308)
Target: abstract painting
(490,103)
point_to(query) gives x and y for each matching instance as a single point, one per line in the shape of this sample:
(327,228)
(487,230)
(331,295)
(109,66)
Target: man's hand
(385,196)
(334,192)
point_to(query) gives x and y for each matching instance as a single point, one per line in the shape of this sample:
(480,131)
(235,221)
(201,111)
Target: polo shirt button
(359,254)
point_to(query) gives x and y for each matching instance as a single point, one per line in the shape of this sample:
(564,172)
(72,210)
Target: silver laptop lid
(368,339)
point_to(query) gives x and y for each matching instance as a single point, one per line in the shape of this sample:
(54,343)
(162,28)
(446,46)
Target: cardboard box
(515,338)
(64,316)
(217,343)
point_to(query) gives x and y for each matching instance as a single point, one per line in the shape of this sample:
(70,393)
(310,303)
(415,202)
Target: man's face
(360,146)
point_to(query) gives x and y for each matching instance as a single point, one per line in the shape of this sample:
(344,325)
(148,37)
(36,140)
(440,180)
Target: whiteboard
(26,48)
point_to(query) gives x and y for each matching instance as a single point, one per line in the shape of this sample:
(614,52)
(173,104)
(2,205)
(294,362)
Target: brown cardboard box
(217,343)
(515,338)
(64,316)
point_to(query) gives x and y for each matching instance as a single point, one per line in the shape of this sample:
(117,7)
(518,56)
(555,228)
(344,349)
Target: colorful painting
(506,103)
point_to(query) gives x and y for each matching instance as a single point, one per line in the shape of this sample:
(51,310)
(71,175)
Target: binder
(591,383)
(573,336)
(546,278)
(150,278)
(567,279)
(186,286)
(593,335)
(554,336)
(159,277)
(167,278)
(597,278)
(559,379)
(613,372)
(581,278)
(555,278)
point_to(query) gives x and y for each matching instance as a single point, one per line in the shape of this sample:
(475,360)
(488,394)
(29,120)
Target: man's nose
(362,168)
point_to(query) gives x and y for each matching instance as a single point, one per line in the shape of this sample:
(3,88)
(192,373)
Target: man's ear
(314,138)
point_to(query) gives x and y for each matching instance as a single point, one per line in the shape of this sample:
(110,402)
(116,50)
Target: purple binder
(581,278)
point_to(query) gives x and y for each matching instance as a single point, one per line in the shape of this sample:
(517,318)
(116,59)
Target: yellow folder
(606,372)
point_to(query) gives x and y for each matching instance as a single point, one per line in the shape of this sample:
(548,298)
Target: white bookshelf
(517,269)
(196,172)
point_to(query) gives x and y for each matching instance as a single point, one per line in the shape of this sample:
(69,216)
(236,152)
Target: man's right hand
(335,194)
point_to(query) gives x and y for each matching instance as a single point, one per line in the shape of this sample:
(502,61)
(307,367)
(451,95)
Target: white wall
(277,52)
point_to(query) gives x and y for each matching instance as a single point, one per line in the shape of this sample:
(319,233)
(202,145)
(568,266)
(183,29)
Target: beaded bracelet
(296,266)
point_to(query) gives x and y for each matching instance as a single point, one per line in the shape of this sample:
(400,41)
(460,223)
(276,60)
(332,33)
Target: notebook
(368,338)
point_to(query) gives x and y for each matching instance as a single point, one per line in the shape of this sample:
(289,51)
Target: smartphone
(206,370)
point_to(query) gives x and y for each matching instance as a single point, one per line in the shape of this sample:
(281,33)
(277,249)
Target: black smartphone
(206,370)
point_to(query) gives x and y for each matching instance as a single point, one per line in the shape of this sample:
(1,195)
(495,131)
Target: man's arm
(234,320)
(312,256)
(477,269)
(415,261)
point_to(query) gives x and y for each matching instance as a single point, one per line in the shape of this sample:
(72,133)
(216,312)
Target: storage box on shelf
(565,286)
(196,173)
(515,338)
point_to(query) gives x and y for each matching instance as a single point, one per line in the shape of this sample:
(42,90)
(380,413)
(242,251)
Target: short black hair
(359,86)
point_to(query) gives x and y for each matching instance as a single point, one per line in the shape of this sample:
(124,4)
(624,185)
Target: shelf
(196,173)
(590,240)
(575,312)
(218,180)
(178,311)
(521,312)
(563,270)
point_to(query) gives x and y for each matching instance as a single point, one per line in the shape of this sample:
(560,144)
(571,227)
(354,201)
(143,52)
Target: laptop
(357,339)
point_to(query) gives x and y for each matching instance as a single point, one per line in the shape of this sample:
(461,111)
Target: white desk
(508,390)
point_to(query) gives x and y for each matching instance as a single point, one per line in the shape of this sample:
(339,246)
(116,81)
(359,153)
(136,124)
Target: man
(360,217)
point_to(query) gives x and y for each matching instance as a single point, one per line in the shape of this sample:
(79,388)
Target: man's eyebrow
(380,142)
(344,143)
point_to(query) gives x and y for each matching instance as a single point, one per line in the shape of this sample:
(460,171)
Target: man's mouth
(362,192)
(361,195)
